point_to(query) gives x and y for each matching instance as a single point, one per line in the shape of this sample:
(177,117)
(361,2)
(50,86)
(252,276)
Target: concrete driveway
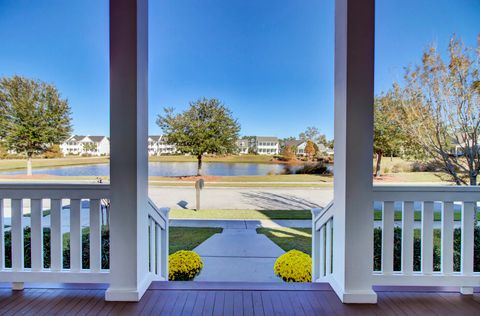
(242,198)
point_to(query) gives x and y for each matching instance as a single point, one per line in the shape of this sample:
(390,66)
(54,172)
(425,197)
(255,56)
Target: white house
(86,145)
(243,146)
(265,145)
(301,144)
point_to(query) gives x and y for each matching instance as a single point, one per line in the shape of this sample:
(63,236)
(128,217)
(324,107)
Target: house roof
(155,137)
(96,139)
(267,139)
(294,142)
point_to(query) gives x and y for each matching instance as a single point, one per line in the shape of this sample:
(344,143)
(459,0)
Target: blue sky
(270,61)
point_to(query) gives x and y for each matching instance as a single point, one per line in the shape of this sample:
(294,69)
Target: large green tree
(388,136)
(33,116)
(207,127)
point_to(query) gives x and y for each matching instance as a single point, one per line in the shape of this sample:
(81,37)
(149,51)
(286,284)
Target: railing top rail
(54,190)
(426,193)
(161,212)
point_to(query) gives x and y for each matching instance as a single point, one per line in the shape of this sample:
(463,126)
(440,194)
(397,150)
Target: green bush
(66,249)
(397,249)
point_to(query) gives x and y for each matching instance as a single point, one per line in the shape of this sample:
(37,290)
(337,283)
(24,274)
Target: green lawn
(290,238)
(187,238)
(12,164)
(241,214)
(437,216)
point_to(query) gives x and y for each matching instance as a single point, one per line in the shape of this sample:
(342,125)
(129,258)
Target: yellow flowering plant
(294,266)
(184,265)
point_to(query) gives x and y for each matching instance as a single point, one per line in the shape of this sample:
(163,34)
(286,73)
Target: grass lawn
(290,238)
(241,214)
(187,238)
(13,164)
(417,215)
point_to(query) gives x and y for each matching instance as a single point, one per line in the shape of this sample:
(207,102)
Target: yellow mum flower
(184,265)
(294,266)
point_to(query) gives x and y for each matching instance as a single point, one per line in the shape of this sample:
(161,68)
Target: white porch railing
(322,241)
(417,226)
(66,208)
(158,241)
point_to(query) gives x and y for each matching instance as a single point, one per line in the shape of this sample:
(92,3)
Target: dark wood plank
(169,306)
(267,304)
(88,300)
(219,302)
(305,304)
(247,303)
(163,297)
(209,303)
(237,303)
(293,303)
(190,303)
(149,301)
(228,303)
(25,302)
(180,303)
(197,309)
(257,303)
(23,298)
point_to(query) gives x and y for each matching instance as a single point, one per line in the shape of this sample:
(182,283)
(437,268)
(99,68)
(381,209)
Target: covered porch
(343,232)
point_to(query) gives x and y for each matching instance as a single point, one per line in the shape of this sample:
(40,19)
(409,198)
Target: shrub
(66,249)
(313,168)
(184,265)
(397,249)
(294,266)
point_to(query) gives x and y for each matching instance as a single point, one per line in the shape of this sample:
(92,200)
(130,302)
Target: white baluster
(328,247)
(75,236)
(56,250)
(158,250)
(315,252)
(468,220)
(36,240)
(427,237)
(2,237)
(387,237)
(468,225)
(447,237)
(407,237)
(321,250)
(95,236)
(164,251)
(151,235)
(17,234)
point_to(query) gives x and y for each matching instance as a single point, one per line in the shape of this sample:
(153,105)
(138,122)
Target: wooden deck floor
(234,299)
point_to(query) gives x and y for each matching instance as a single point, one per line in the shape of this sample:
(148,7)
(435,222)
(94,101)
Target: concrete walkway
(238,255)
(240,223)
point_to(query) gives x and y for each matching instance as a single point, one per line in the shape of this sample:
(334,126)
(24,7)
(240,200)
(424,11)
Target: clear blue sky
(270,61)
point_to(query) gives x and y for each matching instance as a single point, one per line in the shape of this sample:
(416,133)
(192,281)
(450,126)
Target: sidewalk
(238,255)
(240,223)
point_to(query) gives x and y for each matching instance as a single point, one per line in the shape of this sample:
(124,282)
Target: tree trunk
(199,168)
(378,164)
(473,179)
(29,164)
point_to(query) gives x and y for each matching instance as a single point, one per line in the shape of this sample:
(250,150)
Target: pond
(170,169)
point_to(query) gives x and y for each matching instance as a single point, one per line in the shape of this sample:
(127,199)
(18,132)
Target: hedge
(397,257)
(66,249)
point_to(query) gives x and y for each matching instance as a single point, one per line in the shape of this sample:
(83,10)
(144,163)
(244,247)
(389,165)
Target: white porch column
(129,161)
(353,220)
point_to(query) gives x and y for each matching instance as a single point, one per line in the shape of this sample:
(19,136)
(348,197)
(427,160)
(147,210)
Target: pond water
(170,169)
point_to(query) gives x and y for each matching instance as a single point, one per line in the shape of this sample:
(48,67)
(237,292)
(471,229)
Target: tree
(440,106)
(288,153)
(206,127)
(310,149)
(33,116)
(388,136)
(313,134)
